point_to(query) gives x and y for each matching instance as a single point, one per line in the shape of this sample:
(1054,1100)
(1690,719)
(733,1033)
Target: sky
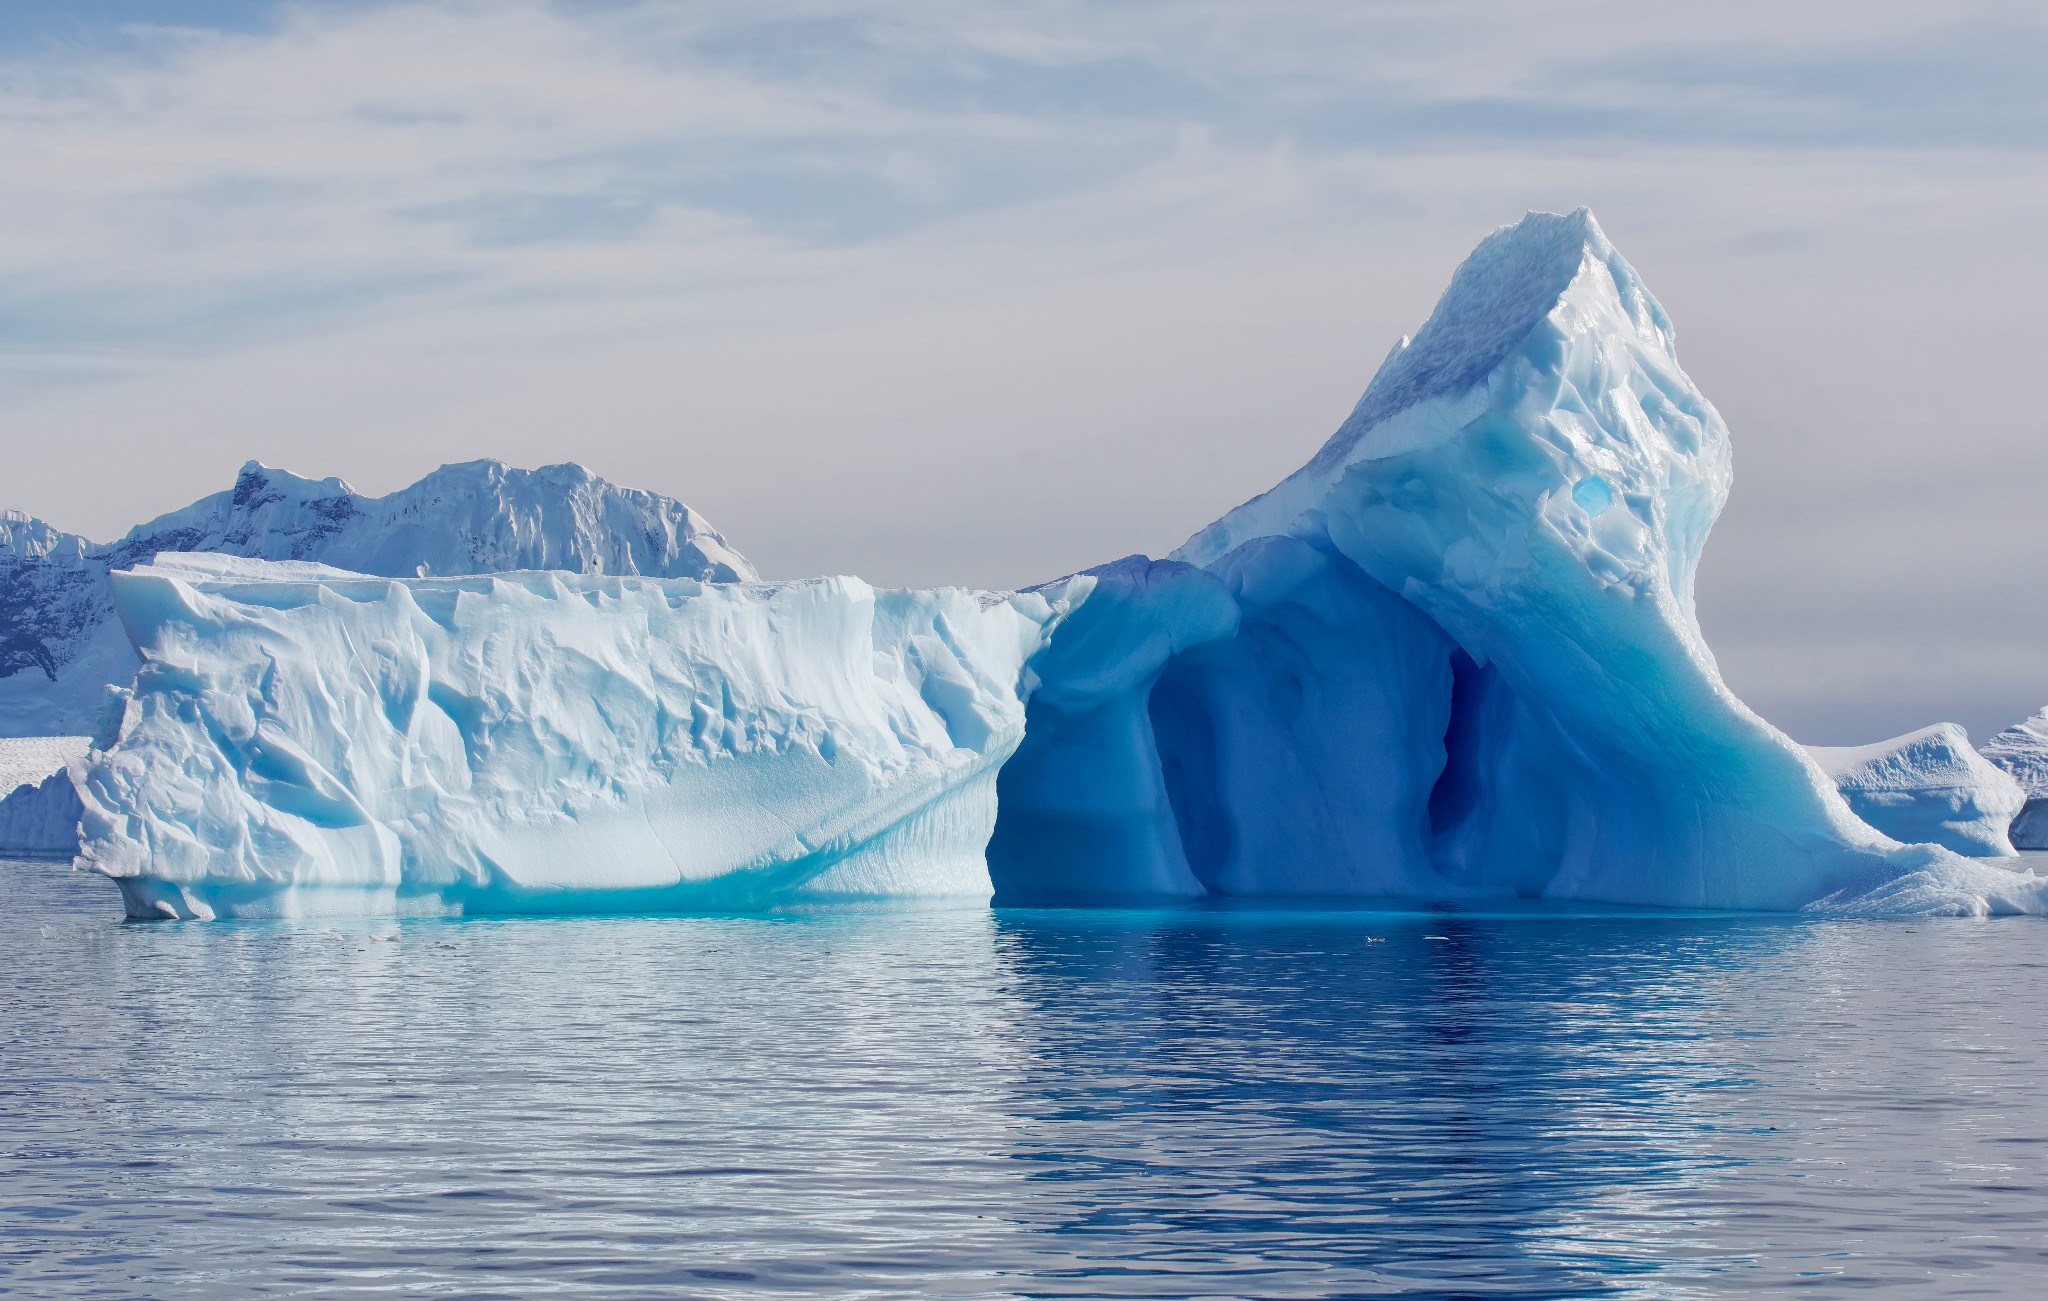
(982,294)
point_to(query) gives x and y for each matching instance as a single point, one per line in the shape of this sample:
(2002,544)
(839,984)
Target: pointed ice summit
(1453,657)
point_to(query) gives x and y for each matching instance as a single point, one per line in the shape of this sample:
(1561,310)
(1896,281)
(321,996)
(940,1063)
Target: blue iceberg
(2022,751)
(39,808)
(1454,657)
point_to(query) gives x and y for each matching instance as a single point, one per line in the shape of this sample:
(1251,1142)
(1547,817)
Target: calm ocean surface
(1248,1103)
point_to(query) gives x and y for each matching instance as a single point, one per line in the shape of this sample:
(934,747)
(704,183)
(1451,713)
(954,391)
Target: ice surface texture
(1454,657)
(1929,785)
(310,741)
(39,807)
(60,646)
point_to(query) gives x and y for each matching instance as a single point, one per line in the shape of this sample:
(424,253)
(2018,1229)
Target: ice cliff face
(2022,750)
(1454,657)
(302,740)
(1930,786)
(60,647)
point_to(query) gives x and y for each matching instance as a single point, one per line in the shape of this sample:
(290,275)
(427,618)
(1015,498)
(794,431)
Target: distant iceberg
(39,808)
(2022,750)
(60,647)
(1453,658)
(1931,786)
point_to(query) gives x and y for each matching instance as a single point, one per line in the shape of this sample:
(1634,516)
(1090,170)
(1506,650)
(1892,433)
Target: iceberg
(2022,750)
(1466,661)
(1454,657)
(39,806)
(1930,786)
(61,647)
(302,740)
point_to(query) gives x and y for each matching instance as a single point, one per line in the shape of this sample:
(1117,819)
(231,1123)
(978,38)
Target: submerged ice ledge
(1454,657)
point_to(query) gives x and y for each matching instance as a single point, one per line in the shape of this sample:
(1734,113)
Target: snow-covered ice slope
(302,740)
(38,805)
(60,646)
(1536,476)
(2022,750)
(1929,785)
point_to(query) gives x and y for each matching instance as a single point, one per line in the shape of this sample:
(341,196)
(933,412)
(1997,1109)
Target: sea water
(1262,1102)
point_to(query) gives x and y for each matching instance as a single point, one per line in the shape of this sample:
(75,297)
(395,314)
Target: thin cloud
(1049,281)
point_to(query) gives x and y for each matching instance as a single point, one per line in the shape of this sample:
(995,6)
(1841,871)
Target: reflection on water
(959,1103)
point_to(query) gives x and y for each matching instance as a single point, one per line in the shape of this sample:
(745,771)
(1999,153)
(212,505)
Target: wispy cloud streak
(1051,279)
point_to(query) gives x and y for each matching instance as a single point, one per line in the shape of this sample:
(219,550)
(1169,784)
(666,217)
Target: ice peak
(1509,283)
(1539,306)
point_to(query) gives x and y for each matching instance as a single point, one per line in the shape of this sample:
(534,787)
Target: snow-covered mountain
(60,645)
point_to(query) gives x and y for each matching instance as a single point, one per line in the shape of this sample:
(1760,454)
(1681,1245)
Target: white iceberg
(1454,657)
(1084,813)
(302,740)
(1930,786)
(2022,750)
(60,647)
(39,806)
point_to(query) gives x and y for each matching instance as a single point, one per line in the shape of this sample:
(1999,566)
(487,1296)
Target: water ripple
(1272,1103)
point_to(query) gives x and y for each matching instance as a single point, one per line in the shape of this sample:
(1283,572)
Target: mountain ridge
(60,647)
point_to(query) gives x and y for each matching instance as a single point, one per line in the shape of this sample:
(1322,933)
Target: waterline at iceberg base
(1454,657)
